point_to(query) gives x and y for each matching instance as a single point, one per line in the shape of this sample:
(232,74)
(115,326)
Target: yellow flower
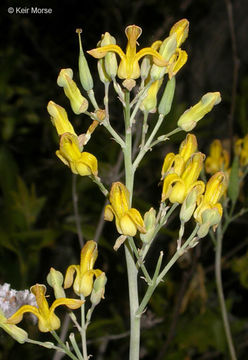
(47,320)
(69,153)
(218,158)
(215,188)
(59,118)
(176,163)
(127,220)
(14,331)
(85,273)
(129,66)
(241,149)
(176,188)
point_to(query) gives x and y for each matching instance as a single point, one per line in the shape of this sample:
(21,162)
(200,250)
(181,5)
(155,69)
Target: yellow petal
(69,275)
(188,147)
(181,29)
(70,303)
(134,214)
(59,118)
(167,185)
(100,52)
(69,147)
(18,315)
(87,164)
(108,213)
(88,256)
(119,198)
(127,226)
(215,188)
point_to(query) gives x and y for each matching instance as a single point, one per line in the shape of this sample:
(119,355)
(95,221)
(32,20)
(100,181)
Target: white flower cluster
(11,300)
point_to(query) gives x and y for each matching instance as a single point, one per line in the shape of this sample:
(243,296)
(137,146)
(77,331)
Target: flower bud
(150,102)
(55,280)
(189,204)
(14,331)
(102,72)
(210,217)
(167,98)
(59,118)
(78,103)
(98,289)
(167,49)
(110,61)
(84,71)
(150,224)
(190,117)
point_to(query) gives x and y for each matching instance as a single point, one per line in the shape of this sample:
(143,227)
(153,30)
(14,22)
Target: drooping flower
(128,220)
(82,163)
(209,210)
(59,118)
(85,273)
(47,320)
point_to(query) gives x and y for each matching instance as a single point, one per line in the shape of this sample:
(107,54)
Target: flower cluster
(14,304)
(180,173)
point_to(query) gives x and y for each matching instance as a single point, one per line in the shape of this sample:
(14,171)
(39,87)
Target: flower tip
(79,31)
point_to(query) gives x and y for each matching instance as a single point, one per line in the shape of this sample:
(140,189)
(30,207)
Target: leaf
(233,187)
(26,202)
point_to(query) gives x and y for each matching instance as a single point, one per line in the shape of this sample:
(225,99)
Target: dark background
(37,228)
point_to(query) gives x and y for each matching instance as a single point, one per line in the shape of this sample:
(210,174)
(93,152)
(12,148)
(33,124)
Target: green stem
(46,344)
(141,97)
(218,252)
(165,137)
(93,99)
(157,278)
(76,212)
(140,260)
(132,271)
(75,346)
(112,131)
(144,130)
(65,349)
(97,181)
(83,330)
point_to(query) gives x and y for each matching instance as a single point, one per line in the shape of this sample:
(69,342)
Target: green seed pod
(166,101)
(84,71)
